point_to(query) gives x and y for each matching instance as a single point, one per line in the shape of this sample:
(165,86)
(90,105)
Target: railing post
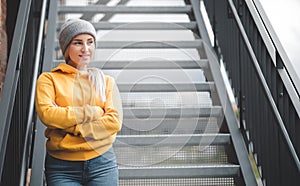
(30,112)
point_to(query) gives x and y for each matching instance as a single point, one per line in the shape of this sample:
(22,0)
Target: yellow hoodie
(80,126)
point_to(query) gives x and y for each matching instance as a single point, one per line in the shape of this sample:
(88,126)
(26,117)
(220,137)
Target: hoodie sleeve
(111,121)
(54,116)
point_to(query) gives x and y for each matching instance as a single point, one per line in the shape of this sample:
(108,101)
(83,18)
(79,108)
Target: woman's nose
(85,47)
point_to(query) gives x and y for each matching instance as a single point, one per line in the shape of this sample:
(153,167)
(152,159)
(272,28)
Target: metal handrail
(279,48)
(265,85)
(32,91)
(274,46)
(12,74)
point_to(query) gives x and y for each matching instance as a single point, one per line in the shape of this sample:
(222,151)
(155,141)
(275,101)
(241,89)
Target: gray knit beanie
(72,28)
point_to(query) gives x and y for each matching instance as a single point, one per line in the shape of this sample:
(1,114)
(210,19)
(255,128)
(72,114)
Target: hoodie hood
(96,76)
(63,67)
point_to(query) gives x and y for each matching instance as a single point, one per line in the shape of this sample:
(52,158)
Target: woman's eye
(77,43)
(90,42)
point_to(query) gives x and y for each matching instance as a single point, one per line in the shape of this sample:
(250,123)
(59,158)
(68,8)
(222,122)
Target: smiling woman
(80,51)
(81,108)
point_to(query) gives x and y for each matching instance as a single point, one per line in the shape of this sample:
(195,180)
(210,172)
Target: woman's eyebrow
(77,39)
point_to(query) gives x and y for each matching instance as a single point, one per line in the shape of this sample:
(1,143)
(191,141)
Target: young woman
(82,110)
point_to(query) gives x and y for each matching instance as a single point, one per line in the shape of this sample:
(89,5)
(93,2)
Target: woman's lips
(84,56)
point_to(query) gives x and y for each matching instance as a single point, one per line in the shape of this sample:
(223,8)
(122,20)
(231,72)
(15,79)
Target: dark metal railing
(31,103)
(266,91)
(13,70)
(17,106)
(247,176)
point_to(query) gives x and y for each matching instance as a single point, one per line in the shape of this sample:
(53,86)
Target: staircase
(179,127)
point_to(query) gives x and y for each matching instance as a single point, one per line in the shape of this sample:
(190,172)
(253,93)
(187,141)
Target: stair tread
(179,171)
(150,44)
(145,64)
(172,139)
(175,135)
(181,166)
(104,25)
(140,112)
(165,87)
(170,126)
(142,44)
(123,9)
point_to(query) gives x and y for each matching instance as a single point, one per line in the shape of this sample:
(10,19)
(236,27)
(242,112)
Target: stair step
(98,9)
(142,26)
(170,126)
(139,156)
(172,112)
(172,140)
(213,181)
(179,171)
(144,64)
(166,99)
(149,44)
(166,87)
(146,44)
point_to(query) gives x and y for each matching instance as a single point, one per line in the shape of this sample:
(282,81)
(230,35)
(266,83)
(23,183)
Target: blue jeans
(99,171)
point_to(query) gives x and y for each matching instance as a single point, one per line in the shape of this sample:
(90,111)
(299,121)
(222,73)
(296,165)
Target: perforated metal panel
(179,182)
(166,99)
(148,156)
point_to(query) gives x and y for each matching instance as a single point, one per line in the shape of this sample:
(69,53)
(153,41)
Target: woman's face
(81,50)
